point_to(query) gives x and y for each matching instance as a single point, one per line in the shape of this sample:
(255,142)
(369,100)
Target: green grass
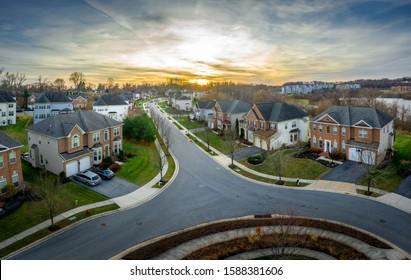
(139,169)
(192,124)
(402,147)
(18,131)
(178,126)
(162,104)
(32,213)
(216,141)
(294,168)
(44,232)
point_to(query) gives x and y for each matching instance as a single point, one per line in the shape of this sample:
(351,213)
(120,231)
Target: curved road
(204,191)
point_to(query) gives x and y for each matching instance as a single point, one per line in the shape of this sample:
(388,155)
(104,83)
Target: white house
(50,104)
(7,109)
(112,106)
(273,124)
(203,109)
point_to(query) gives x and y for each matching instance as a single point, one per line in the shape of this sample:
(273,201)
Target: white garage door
(71,168)
(368,157)
(353,154)
(264,144)
(85,163)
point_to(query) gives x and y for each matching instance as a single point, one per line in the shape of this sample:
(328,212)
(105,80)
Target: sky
(269,42)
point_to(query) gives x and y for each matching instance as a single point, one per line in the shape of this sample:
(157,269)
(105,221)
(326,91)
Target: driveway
(404,188)
(247,152)
(349,172)
(111,188)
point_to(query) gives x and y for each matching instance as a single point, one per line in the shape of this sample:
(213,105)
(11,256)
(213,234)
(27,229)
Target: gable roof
(351,115)
(8,142)
(53,97)
(6,97)
(72,96)
(280,111)
(208,104)
(106,100)
(61,125)
(233,106)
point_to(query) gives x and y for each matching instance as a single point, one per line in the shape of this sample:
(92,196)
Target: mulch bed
(154,249)
(315,156)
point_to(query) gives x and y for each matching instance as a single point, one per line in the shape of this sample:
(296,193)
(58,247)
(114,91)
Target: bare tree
(375,166)
(230,143)
(160,162)
(78,79)
(41,84)
(12,81)
(110,84)
(48,186)
(59,83)
(277,161)
(207,132)
(166,132)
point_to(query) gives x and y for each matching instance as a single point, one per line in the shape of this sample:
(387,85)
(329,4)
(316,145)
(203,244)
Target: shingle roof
(53,97)
(67,156)
(350,115)
(233,106)
(106,100)
(8,142)
(61,125)
(6,97)
(280,111)
(208,104)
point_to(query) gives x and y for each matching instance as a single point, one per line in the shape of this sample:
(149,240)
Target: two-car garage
(78,165)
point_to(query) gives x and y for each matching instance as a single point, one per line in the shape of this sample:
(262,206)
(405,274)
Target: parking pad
(111,188)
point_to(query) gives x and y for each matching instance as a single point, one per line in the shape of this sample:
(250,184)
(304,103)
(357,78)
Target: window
(362,133)
(11,105)
(328,129)
(294,124)
(1,162)
(116,131)
(343,131)
(320,143)
(41,159)
(105,135)
(314,126)
(335,130)
(12,157)
(3,183)
(3,114)
(96,136)
(314,141)
(293,137)
(11,113)
(320,128)
(335,145)
(98,154)
(273,126)
(75,141)
(343,146)
(261,124)
(285,125)
(15,179)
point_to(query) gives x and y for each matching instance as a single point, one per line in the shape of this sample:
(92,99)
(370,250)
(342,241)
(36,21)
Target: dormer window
(75,141)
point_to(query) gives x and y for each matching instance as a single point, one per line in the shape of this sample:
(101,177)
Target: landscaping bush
(254,160)
(115,167)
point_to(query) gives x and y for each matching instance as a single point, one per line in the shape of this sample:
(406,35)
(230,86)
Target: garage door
(353,154)
(85,163)
(264,144)
(71,168)
(368,157)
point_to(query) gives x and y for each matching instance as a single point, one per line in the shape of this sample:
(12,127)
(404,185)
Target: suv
(88,178)
(105,174)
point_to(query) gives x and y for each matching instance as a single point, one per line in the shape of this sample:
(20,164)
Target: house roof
(53,97)
(8,142)
(61,125)
(208,104)
(75,96)
(233,106)
(280,111)
(6,97)
(67,156)
(351,115)
(106,100)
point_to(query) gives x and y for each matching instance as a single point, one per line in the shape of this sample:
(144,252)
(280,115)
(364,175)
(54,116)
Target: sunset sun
(201,82)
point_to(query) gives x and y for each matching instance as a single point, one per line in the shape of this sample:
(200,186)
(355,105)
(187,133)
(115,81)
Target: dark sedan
(105,174)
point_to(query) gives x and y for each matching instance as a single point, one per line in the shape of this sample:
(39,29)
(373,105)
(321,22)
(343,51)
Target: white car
(89,178)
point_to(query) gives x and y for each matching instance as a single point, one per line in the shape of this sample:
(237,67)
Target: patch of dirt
(154,249)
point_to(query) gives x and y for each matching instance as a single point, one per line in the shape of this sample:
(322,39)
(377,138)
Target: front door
(327,147)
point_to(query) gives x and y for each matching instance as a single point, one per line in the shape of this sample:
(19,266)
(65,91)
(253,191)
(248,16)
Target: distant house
(203,109)
(181,101)
(129,98)
(73,142)
(10,163)
(273,124)
(226,112)
(79,101)
(7,109)
(50,104)
(32,99)
(112,106)
(363,134)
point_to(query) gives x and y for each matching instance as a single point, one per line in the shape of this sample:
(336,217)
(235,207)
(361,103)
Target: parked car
(88,178)
(105,174)
(25,155)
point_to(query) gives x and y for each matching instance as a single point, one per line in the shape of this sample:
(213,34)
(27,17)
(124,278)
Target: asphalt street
(204,191)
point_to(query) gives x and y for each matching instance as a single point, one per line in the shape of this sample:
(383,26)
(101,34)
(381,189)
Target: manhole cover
(103,224)
(383,221)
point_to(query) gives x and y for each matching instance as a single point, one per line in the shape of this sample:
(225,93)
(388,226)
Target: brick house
(270,125)
(226,112)
(79,101)
(362,134)
(74,142)
(10,163)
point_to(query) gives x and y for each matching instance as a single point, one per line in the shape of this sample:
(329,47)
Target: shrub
(122,156)
(115,167)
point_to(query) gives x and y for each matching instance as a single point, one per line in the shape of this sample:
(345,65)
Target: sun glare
(201,82)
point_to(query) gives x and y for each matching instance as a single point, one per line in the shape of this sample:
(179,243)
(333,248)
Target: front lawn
(18,131)
(139,169)
(32,213)
(216,141)
(294,168)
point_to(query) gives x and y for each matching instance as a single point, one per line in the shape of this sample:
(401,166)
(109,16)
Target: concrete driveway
(111,188)
(247,152)
(349,172)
